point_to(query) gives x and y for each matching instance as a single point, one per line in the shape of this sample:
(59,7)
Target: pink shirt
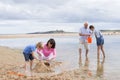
(47,51)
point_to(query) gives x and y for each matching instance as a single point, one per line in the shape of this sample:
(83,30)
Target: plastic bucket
(89,40)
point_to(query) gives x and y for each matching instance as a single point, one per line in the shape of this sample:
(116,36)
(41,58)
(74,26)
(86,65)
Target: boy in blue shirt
(28,53)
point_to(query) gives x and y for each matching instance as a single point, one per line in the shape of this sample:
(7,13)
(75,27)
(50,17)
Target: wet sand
(12,62)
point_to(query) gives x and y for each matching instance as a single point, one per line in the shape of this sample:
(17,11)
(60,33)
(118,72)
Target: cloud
(61,10)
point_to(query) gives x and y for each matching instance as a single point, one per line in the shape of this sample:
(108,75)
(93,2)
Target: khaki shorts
(84,44)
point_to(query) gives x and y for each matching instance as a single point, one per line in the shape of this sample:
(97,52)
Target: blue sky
(73,11)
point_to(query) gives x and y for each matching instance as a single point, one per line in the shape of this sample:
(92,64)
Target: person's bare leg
(98,60)
(31,63)
(87,49)
(98,52)
(25,66)
(80,61)
(102,51)
(87,52)
(80,52)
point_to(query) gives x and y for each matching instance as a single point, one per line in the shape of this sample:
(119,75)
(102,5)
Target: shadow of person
(85,67)
(80,61)
(86,63)
(100,67)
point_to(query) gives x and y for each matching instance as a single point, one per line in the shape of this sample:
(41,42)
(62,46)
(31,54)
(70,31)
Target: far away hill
(110,30)
(50,32)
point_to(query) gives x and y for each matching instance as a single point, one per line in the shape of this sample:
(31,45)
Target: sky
(61,11)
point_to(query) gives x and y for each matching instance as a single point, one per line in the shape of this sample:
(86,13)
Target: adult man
(84,32)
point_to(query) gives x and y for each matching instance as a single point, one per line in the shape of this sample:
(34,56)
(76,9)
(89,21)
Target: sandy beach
(12,64)
(11,68)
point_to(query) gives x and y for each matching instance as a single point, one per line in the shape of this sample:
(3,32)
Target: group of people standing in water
(86,32)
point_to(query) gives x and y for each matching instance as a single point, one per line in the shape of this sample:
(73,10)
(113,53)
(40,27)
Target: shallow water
(67,52)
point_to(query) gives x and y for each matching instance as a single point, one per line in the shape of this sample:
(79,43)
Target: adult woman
(48,52)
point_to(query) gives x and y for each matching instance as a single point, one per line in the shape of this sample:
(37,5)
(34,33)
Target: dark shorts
(28,57)
(100,41)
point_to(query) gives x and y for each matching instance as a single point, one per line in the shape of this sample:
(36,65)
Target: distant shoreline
(5,36)
(37,35)
(110,32)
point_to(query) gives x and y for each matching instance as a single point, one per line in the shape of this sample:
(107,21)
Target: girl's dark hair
(51,41)
(91,26)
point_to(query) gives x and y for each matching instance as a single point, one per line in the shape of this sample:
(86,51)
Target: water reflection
(80,61)
(86,62)
(84,67)
(100,67)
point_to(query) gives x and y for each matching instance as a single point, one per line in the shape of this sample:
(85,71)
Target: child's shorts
(28,57)
(100,41)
